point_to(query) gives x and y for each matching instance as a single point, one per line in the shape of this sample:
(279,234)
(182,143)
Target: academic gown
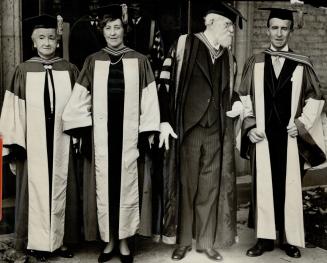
(88,111)
(145,37)
(174,84)
(41,155)
(277,162)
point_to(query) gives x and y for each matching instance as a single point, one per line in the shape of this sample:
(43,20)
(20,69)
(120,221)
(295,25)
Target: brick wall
(311,40)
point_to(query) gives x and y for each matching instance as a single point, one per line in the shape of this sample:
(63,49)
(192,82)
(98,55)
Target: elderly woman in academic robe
(114,102)
(40,154)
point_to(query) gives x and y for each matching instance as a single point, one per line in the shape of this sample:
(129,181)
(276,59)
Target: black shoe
(291,251)
(180,252)
(39,255)
(104,257)
(126,258)
(211,254)
(42,256)
(260,247)
(64,253)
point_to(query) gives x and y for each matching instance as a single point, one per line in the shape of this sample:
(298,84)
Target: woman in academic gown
(40,154)
(113,103)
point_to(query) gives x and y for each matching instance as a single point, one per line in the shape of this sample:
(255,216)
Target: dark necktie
(49,92)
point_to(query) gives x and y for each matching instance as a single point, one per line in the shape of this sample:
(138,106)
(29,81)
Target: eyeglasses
(229,25)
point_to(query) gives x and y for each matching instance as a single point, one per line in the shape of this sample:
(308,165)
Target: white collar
(136,20)
(285,48)
(211,40)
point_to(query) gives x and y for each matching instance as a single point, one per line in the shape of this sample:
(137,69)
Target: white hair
(209,18)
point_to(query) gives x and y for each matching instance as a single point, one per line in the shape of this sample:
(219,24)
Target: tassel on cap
(60,25)
(124,15)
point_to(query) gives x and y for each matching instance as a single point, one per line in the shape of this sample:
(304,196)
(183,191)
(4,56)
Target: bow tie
(47,66)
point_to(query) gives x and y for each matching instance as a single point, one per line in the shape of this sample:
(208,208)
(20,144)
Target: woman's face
(113,32)
(45,42)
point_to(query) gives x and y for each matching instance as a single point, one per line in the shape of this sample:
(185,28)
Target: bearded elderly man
(195,93)
(282,101)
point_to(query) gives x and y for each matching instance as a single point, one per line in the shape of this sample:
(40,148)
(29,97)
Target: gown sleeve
(13,117)
(149,112)
(245,92)
(77,114)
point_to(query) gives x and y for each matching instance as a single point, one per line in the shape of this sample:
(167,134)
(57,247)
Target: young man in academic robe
(85,37)
(195,93)
(282,103)
(38,151)
(143,35)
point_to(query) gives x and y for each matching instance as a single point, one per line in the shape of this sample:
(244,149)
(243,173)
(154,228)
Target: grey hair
(33,35)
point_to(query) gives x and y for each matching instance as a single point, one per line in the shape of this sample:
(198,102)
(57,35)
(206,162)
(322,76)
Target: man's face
(279,32)
(45,42)
(223,30)
(135,10)
(113,32)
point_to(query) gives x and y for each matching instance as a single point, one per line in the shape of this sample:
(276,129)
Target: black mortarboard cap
(227,10)
(115,11)
(41,21)
(281,13)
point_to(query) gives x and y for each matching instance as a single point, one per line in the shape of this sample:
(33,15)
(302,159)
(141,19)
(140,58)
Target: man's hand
(292,130)
(165,131)
(256,136)
(297,2)
(237,109)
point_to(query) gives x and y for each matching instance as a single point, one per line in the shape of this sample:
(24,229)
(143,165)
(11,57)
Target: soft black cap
(281,13)
(42,21)
(227,10)
(115,11)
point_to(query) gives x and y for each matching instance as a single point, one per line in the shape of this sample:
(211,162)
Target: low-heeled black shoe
(211,254)
(260,247)
(64,253)
(180,252)
(126,258)
(39,255)
(42,256)
(104,257)
(291,251)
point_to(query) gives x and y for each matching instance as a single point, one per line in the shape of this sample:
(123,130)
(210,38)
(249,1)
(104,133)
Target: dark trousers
(200,173)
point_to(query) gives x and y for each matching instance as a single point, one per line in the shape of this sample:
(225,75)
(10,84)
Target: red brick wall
(311,40)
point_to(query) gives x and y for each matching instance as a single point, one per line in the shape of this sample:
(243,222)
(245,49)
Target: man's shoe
(180,252)
(104,257)
(291,251)
(126,258)
(211,254)
(260,247)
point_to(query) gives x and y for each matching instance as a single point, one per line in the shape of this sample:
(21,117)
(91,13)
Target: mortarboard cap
(41,21)
(281,13)
(115,11)
(227,10)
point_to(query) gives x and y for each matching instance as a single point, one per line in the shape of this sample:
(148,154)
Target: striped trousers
(200,174)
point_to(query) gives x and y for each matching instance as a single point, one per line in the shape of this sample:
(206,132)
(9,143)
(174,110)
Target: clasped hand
(292,130)
(256,136)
